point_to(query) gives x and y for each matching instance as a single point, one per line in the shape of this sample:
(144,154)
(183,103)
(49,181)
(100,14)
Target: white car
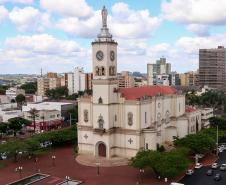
(198,165)
(214,166)
(223,167)
(189,172)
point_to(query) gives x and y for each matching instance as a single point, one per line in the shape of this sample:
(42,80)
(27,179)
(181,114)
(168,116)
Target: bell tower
(105,84)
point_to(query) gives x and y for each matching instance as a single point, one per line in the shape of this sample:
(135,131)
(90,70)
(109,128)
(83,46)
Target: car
(223,146)
(220,150)
(198,165)
(223,167)
(214,166)
(217,177)
(209,172)
(3,156)
(189,172)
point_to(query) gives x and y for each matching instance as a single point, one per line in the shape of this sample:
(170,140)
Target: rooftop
(135,93)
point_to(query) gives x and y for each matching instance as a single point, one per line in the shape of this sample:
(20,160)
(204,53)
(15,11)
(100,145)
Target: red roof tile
(135,93)
(190,109)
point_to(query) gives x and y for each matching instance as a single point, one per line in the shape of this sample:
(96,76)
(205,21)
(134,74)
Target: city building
(125,79)
(121,121)
(160,68)
(174,79)
(189,78)
(44,120)
(212,67)
(59,106)
(7,114)
(51,81)
(12,92)
(162,80)
(206,114)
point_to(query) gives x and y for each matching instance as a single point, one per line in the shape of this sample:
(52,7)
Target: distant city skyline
(56,35)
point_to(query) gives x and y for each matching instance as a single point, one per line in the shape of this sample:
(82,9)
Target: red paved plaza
(65,165)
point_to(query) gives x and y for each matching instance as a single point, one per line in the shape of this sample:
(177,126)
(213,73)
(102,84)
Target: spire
(104,34)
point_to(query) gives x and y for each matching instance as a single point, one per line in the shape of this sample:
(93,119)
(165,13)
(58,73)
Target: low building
(13,92)
(5,115)
(45,120)
(60,106)
(206,114)
(4,99)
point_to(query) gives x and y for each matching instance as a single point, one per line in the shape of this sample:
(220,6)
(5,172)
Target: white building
(162,80)
(76,81)
(13,92)
(206,114)
(5,115)
(120,122)
(60,106)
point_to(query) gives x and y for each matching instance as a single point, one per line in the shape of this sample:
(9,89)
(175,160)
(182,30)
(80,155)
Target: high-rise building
(125,80)
(212,70)
(160,68)
(51,81)
(189,78)
(174,79)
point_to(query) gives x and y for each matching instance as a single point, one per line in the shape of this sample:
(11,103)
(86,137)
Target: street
(200,178)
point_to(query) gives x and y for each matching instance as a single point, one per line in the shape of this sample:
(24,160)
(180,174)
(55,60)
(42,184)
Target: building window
(145,117)
(167,117)
(130,118)
(179,107)
(100,100)
(115,117)
(159,119)
(86,117)
(101,122)
(146,146)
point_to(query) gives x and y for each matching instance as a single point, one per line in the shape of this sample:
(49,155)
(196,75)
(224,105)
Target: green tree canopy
(20,98)
(57,93)
(30,87)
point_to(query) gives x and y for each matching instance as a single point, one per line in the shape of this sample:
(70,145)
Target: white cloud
(30,53)
(200,30)
(71,8)
(3,13)
(124,23)
(87,28)
(17,1)
(195,11)
(29,19)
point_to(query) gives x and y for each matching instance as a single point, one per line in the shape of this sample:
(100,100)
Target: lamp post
(53,160)
(141,175)
(67,179)
(98,168)
(19,169)
(217,141)
(36,164)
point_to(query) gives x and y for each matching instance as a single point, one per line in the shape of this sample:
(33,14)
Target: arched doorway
(102,150)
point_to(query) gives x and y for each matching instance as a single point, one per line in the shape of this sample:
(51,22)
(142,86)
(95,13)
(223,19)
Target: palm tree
(34,113)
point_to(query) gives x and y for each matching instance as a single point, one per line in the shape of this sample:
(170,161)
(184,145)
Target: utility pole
(217,141)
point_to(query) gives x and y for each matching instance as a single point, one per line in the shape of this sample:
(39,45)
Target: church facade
(120,122)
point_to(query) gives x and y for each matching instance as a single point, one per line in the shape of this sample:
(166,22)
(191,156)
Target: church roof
(135,93)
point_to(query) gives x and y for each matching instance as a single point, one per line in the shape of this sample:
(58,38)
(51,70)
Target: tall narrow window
(146,146)
(101,122)
(145,117)
(86,116)
(167,117)
(100,100)
(130,118)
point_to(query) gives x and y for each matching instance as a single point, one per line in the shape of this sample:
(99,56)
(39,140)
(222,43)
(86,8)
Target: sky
(56,35)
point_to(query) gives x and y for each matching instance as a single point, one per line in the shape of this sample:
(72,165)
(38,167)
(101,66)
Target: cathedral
(121,121)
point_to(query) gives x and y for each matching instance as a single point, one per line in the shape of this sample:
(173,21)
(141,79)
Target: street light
(19,169)
(217,141)
(98,168)
(67,179)
(53,160)
(141,175)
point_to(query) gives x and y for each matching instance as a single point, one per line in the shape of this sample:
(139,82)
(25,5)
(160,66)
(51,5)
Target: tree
(57,93)
(30,87)
(20,99)
(15,125)
(167,164)
(34,113)
(3,128)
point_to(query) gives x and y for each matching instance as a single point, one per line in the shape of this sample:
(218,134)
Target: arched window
(159,119)
(103,71)
(97,71)
(100,100)
(167,117)
(130,118)
(101,122)
(86,116)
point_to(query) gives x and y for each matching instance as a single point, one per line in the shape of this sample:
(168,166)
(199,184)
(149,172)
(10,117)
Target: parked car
(214,166)
(189,172)
(223,146)
(3,156)
(209,172)
(217,177)
(198,165)
(223,167)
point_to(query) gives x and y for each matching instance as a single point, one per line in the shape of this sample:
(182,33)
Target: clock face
(99,55)
(112,55)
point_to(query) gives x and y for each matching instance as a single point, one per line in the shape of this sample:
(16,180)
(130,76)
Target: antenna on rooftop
(41,72)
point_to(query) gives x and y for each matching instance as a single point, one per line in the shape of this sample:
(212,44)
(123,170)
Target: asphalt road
(200,178)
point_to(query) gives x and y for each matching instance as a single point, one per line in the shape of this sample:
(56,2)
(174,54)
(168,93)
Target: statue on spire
(104,14)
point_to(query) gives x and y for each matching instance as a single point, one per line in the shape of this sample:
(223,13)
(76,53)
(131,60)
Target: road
(200,178)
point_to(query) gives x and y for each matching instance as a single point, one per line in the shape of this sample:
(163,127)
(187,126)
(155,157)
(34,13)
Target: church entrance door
(102,150)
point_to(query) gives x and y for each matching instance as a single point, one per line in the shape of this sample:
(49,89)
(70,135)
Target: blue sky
(56,34)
